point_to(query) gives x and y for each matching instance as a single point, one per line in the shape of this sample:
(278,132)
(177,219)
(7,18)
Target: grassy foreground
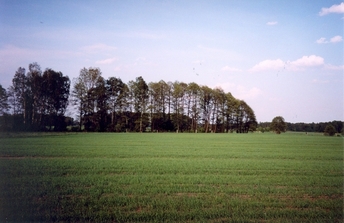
(104,177)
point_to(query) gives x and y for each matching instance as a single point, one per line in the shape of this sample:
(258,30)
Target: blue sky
(282,57)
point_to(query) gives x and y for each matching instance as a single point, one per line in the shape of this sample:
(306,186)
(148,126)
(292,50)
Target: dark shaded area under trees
(37,101)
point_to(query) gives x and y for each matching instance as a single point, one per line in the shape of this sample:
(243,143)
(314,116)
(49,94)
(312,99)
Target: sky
(283,58)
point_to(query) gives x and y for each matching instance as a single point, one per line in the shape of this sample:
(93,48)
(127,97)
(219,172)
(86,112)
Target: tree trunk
(141,121)
(80,122)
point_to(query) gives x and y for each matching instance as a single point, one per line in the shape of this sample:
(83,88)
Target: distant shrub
(278,125)
(330,130)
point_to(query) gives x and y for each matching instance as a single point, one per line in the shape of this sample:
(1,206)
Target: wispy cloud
(316,81)
(299,64)
(239,91)
(14,51)
(275,99)
(245,93)
(333,67)
(200,62)
(333,9)
(143,61)
(296,65)
(321,40)
(12,57)
(146,35)
(118,68)
(149,35)
(220,53)
(308,61)
(98,47)
(16,55)
(231,69)
(268,65)
(107,61)
(336,39)
(272,23)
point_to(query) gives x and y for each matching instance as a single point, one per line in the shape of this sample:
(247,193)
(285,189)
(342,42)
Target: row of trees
(304,127)
(38,100)
(111,105)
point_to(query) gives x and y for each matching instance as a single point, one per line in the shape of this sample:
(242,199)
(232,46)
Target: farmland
(106,177)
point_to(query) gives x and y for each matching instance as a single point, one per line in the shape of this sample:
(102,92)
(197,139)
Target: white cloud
(231,69)
(322,40)
(277,99)
(271,23)
(336,39)
(107,61)
(142,61)
(200,62)
(11,57)
(219,53)
(333,9)
(299,64)
(308,61)
(141,35)
(147,35)
(118,68)
(244,93)
(98,47)
(226,86)
(239,91)
(268,65)
(316,81)
(14,51)
(333,67)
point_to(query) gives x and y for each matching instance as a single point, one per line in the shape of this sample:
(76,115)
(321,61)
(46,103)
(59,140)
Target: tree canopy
(38,101)
(278,125)
(330,130)
(3,100)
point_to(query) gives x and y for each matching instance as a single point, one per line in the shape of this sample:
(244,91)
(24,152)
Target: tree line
(37,101)
(304,127)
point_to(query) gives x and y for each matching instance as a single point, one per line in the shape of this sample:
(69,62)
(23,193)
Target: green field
(165,177)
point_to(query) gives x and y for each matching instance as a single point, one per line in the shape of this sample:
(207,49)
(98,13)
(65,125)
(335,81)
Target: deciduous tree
(3,101)
(330,130)
(140,93)
(278,125)
(116,96)
(19,94)
(193,104)
(35,94)
(82,93)
(55,96)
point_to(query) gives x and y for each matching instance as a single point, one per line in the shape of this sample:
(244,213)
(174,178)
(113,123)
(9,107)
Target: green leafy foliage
(330,130)
(278,125)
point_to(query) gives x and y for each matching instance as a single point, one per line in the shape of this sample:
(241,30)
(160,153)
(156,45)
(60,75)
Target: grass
(93,177)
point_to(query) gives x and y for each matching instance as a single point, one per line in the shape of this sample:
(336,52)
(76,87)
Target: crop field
(169,177)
